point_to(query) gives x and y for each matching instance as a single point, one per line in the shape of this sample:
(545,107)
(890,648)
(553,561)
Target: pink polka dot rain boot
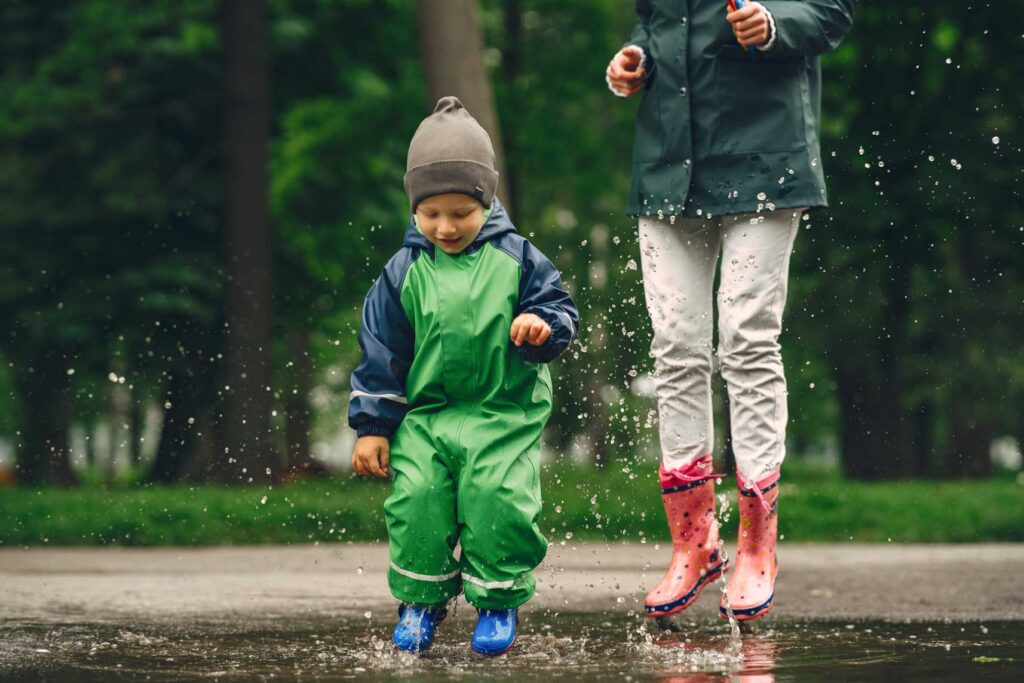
(752,581)
(689,498)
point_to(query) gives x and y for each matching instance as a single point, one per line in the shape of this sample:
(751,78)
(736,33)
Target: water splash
(735,640)
(611,645)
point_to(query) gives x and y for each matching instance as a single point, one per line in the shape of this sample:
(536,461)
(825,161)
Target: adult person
(726,158)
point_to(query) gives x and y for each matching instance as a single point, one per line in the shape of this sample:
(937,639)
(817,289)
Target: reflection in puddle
(552,645)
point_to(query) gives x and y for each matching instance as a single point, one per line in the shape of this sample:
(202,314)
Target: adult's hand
(625,73)
(750,24)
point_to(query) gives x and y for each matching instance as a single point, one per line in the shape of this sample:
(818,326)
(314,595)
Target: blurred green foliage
(901,337)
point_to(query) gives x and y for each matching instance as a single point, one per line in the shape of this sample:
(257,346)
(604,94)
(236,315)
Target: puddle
(611,646)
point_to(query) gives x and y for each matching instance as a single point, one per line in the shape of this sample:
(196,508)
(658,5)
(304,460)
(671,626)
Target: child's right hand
(371,455)
(529,327)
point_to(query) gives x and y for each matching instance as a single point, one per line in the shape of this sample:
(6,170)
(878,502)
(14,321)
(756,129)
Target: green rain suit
(464,409)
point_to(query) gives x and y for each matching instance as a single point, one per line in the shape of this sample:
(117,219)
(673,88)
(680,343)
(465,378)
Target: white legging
(679,260)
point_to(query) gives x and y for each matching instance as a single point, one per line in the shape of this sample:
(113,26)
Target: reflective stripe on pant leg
(500,504)
(420,515)
(679,262)
(751,300)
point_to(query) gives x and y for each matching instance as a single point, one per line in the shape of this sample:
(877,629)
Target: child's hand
(371,456)
(529,327)
(750,24)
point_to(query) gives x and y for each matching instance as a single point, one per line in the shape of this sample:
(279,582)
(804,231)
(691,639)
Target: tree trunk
(208,454)
(250,454)
(43,452)
(297,424)
(120,415)
(511,66)
(894,345)
(597,420)
(924,440)
(853,449)
(177,436)
(873,444)
(452,50)
(969,443)
(137,424)
(90,446)
(1019,433)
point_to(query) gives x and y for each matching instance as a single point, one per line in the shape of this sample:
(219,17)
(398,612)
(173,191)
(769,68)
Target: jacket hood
(496,225)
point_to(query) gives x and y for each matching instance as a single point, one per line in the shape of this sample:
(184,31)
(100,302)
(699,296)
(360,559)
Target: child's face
(450,221)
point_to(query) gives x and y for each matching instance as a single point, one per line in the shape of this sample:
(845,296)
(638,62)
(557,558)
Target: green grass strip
(617,502)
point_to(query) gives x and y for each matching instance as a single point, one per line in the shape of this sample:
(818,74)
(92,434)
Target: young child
(453,392)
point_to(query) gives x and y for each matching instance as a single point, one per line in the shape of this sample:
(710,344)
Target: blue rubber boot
(416,623)
(495,631)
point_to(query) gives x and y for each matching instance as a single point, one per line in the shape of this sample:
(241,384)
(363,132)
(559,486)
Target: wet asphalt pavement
(821,581)
(323,613)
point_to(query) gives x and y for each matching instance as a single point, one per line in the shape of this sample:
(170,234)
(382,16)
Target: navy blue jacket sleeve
(541,292)
(378,403)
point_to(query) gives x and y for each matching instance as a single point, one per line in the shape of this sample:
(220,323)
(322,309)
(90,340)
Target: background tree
(107,240)
(250,451)
(452,45)
(905,301)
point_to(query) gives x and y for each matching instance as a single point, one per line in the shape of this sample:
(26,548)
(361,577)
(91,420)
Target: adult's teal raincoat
(719,132)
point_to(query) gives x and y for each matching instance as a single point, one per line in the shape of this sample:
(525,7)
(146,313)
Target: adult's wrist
(772,31)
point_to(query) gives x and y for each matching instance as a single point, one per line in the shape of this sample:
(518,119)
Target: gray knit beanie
(450,153)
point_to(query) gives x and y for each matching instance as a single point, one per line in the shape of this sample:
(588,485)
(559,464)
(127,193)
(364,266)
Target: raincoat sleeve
(378,403)
(641,36)
(809,27)
(541,292)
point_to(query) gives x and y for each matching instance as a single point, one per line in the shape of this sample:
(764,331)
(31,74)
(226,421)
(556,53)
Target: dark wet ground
(552,646)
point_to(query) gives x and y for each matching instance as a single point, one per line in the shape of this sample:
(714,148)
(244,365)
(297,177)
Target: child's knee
(502,522)
(502,500)
(414,494)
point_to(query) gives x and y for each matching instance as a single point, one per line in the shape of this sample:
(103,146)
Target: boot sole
(749,613)
(757,611)
(667,609)
(495,654)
